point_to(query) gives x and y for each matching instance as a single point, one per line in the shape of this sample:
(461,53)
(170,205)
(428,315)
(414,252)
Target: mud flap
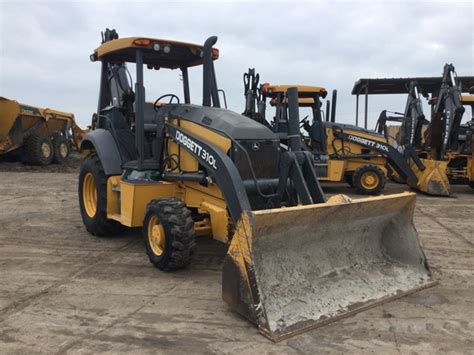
(433,180)
(292,269)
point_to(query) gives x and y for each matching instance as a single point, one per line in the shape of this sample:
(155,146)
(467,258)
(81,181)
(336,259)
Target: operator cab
(122,108)
(308,96)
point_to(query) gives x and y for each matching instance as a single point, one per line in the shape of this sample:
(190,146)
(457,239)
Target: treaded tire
(178,227)
(98,225)
(33,152)
(61,148)
(361,187)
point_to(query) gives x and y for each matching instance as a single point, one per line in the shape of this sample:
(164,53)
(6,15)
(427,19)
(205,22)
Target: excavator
(342,152)
(442,142)
(182,170)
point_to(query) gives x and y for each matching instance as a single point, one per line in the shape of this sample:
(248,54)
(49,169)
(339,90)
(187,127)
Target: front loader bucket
(292,269)
(433,180)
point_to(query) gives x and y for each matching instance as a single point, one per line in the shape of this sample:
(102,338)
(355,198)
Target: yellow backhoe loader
(341,152)
(179,170)
(39,135)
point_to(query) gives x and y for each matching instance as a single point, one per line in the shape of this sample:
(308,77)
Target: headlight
(167,48)
(156,47)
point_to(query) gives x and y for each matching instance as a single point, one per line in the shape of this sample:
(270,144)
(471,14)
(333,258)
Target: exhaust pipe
(294,136)
(333,107)
(207,71)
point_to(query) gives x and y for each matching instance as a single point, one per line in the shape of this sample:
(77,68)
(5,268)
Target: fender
(106,148)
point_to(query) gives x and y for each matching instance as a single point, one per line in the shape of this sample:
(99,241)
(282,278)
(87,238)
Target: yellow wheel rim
(89,195)
(370,180)
(156,236)
(63,150)
(46,150)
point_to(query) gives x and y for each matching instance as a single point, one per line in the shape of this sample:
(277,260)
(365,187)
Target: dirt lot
(62,290)
(13,164)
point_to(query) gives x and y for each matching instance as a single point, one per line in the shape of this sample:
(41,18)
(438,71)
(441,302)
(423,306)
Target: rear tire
(38,150)
(368,180)
(168,231)
(61,148)
(93,198)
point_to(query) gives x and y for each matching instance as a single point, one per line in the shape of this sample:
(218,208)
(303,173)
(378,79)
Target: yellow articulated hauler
(180,170)
(40,135)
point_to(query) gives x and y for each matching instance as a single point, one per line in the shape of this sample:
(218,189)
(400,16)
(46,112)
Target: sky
(45,46)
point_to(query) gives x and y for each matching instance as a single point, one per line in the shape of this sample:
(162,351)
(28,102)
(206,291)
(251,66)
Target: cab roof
(304,91)
(155,52)
(467,99)
(302,102)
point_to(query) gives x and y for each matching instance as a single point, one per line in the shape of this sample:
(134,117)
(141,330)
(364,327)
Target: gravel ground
(13,164)
(64,291)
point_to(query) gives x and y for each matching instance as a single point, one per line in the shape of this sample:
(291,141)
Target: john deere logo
(255,146)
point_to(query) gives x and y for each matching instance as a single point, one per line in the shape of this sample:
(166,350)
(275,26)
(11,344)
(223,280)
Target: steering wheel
(156,107)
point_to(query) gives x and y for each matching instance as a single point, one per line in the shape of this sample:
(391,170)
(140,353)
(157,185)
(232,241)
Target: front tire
(368,180)
(93,198)
(168,231)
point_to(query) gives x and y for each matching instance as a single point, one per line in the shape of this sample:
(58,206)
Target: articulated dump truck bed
(292,269)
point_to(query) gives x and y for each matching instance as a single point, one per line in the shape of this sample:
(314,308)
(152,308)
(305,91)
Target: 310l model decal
(367,142)
(195,148)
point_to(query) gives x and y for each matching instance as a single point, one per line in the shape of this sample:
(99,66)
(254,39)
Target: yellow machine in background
(342,152)
(440,145)
(336,159)
(460,166)
(40,135)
